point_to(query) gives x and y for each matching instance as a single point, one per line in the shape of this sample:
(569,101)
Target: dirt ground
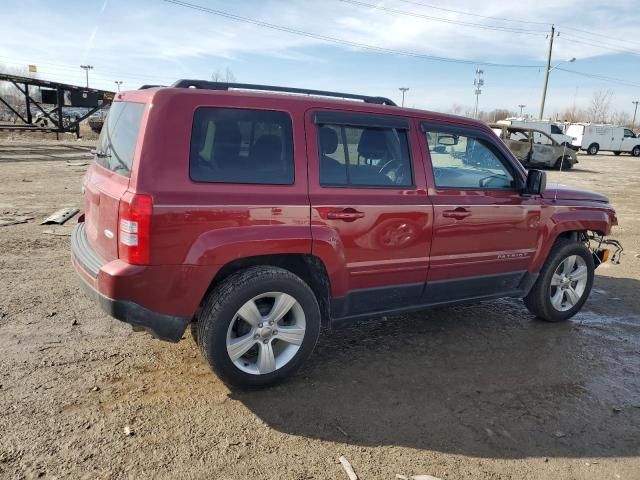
(474,392)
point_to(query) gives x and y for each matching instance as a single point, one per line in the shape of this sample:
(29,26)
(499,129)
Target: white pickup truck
(594,138)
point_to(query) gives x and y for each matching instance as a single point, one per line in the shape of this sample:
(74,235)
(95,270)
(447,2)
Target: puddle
(587,317)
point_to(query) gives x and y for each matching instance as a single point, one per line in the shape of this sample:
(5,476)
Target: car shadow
(480,380)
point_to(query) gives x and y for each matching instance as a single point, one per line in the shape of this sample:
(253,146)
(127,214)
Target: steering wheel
(397,168)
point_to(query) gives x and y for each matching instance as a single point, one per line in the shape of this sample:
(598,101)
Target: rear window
(231,145)
(117,142)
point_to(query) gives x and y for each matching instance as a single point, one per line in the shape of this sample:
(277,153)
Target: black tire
(221,305)
(538,300)
(566,165)
(617,153)
(593,149)
(636,151)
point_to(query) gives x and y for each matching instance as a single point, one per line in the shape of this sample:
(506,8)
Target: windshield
(117,142)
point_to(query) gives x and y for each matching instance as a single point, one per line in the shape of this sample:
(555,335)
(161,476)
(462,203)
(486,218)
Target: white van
(593,138)
(551,129)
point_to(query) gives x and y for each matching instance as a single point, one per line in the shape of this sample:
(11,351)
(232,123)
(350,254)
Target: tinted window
(364,156)
(629,133)
(459,161)
(555,129)
(241,146)
(117,142)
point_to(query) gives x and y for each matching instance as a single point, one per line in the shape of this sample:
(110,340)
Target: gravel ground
(475,392)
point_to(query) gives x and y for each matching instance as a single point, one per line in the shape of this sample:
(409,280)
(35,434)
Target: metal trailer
(55,97)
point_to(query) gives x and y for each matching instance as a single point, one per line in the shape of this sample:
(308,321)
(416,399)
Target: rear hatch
(108,179)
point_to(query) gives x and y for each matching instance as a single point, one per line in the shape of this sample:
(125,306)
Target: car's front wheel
(636,151)
(564,283)
(258,326)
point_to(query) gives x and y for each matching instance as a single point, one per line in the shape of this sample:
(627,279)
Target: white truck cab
(610,138)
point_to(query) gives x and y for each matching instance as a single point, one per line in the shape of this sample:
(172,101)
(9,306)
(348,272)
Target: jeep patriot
(265,213)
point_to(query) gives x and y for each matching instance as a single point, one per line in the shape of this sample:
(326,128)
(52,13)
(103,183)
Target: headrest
(328,140)
(373,144)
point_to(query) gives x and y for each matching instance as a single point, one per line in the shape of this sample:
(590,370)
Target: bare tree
(621,118)
(226,76)
(456,109)
(598,111)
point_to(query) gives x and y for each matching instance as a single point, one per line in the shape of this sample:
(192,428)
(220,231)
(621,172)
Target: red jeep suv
(264,213)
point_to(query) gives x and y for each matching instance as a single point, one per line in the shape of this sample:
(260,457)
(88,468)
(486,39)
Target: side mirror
(536,182)
(447,140)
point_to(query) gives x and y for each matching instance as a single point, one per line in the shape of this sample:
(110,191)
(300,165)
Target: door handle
(459,213)
(346,215)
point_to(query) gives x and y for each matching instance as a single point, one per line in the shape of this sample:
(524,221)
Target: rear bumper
(129,293)
(164,327)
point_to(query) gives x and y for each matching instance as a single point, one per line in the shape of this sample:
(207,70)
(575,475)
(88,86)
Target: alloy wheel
(266,333)
(568,283)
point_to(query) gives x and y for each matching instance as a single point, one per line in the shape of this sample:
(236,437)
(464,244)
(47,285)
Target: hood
(565,192)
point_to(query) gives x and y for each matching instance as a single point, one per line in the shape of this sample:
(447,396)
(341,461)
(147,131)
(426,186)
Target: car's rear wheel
(258,326)
(563,163)
(593,149)
(564,283)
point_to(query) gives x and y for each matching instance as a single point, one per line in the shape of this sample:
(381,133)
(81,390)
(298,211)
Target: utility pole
(521,107)
(546,72)
(86,69)
(478,82)
(635,110)
(118,83)
(403,90)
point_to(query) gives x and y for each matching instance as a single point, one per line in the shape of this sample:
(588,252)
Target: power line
(598,35)
(341,41)
(518,20)
(600,77)
(604,46)
(445,20)
(488,17)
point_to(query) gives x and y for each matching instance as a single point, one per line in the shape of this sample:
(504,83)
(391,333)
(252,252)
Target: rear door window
(232,145)
(117,143)
(364,156)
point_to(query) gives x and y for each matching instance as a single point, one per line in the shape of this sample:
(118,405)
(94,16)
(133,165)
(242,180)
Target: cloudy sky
(365,46)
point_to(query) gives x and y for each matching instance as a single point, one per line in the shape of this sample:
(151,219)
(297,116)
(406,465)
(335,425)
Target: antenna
(555,196)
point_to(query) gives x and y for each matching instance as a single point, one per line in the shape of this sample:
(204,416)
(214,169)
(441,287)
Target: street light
(635,110)
(118,83)
(546,82)
(403,90)
(86,68)
(521,107)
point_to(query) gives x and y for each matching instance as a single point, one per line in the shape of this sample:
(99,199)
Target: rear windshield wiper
(101,154)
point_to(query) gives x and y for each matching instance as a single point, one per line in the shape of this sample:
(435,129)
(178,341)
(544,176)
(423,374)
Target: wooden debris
(348,468)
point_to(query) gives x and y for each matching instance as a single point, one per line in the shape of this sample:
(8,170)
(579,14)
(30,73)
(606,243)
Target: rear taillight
(134,228)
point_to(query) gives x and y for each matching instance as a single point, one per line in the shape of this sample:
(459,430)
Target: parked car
(523,144)
(264,216)
(551,129)
(594,138)
(96,120)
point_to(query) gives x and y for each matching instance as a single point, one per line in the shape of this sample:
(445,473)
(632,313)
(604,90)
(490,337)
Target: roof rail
(145,87)
(204,84)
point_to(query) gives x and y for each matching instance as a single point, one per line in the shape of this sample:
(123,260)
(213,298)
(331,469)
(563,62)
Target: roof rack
(204,84)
